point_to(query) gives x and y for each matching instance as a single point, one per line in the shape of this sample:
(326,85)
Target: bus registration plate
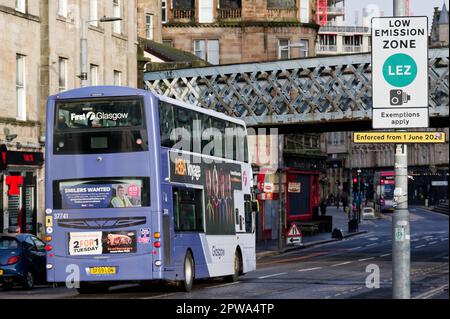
(103,270)
(1,272)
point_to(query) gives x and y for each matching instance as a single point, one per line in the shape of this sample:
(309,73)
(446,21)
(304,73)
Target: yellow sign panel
(49,221)
(398,137)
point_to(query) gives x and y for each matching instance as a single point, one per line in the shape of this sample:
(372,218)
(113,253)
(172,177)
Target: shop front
(19,173)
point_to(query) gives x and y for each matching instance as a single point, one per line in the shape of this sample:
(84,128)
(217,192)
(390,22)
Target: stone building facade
(236,31)
(40,56)
(149,22)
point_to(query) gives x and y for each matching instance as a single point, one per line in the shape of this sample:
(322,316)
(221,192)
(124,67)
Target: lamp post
(84,46)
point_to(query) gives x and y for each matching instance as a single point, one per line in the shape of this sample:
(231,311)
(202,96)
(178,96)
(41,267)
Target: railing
(326,48)
(229,14)
(343,29)
(282,13)
(352,49)
(183,14)
(334,10)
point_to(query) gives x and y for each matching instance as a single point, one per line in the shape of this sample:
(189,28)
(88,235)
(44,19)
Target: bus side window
(188,209)
(166,123)
(184,119)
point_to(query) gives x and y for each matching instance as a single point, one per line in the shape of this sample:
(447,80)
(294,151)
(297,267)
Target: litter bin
(353,225)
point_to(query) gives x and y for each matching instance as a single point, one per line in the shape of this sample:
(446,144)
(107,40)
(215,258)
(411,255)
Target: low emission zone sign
(400,72)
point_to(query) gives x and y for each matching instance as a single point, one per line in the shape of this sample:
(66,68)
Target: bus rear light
(49,266)
(48,248)
(51,255)
(158,263)
(13,260)
(157,244)
(157,235)
(48,239)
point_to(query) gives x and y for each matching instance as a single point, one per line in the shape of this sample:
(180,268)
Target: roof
(168,53)
(443,16)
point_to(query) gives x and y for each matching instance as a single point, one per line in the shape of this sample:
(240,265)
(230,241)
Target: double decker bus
(140,187)
(384,181)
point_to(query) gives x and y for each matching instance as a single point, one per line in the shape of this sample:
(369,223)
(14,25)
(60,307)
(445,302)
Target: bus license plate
(103,270)
(1,272)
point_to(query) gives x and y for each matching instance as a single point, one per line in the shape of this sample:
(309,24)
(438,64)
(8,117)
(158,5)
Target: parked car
(22,260)
(368,213)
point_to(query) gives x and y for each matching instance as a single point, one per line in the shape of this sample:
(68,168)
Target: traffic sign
(293,240)
(400,72)
(399,137)
(294,231)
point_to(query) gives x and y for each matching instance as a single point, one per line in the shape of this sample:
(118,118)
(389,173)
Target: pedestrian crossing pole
(401,245)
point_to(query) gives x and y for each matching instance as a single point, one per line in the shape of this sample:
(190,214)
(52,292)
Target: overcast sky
(417,8)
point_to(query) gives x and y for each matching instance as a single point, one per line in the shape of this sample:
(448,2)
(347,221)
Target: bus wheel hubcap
(188,272)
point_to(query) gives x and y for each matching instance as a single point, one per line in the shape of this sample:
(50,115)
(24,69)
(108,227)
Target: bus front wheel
(189,269)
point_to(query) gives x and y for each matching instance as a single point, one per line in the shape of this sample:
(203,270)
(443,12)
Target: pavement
(340,221)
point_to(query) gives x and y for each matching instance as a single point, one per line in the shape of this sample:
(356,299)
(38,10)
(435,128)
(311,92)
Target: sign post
(400,101)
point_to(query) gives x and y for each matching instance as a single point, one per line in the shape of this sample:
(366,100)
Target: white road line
(224,285)
(432,243)
(371,245)
(365,259)
(385,255)
(161,296)
(341,264)
(309,269)
(274,275)
(420,246)
(359,247)
(431,293)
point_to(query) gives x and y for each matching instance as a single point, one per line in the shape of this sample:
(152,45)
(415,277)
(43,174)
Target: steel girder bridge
(321,93)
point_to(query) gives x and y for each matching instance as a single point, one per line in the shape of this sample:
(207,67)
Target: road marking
(274,275)
(385,255)
(432,292)
(371,245)
(359,247)
(444,239)
(373,238)
(224,285)
(341,264)
(364,259)
(309,269)
(414,240)
(161,296)
(420,246)
(432,243)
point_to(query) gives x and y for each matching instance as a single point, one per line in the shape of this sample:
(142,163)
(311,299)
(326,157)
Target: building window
(205,11)
(21,6)
(117,12)
(93,12)
(207,50)
(284,51)
(94,74)
(117,78)
(62,71)
(21,102)
(149,26)
(62,8)
(304,11)
(168,42)
(304,48)
(164,11)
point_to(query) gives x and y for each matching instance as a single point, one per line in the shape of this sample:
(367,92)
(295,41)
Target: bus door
(239,211)
(167,226)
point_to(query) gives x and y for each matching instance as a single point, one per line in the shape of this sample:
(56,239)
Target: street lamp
(84,46)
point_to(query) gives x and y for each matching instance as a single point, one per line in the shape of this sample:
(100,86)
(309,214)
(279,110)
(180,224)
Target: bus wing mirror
(255,206)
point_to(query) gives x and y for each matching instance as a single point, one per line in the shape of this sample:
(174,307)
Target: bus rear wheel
(237,268)
(91,288)
(189,269)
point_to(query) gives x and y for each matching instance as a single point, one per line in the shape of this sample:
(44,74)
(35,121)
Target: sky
(417,8)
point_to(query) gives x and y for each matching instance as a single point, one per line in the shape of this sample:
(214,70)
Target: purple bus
(129,200)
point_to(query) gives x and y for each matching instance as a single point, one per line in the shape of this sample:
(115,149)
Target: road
(334,270)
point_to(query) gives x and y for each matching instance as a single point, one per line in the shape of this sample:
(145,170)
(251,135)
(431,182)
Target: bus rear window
(130,192)
(100,126)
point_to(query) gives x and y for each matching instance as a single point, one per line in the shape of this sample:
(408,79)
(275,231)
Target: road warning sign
(294,231)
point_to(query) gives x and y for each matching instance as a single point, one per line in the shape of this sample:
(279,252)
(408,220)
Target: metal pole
(84,54)
(401,249)
(350,168)
(280,192)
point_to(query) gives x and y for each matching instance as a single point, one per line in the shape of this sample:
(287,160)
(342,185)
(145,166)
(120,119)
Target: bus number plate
(103,271)
(1,272)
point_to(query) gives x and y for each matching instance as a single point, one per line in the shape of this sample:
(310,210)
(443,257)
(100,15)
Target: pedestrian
(323,207)
(337,201)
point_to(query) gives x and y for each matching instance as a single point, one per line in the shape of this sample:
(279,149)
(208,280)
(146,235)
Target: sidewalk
(340,221)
